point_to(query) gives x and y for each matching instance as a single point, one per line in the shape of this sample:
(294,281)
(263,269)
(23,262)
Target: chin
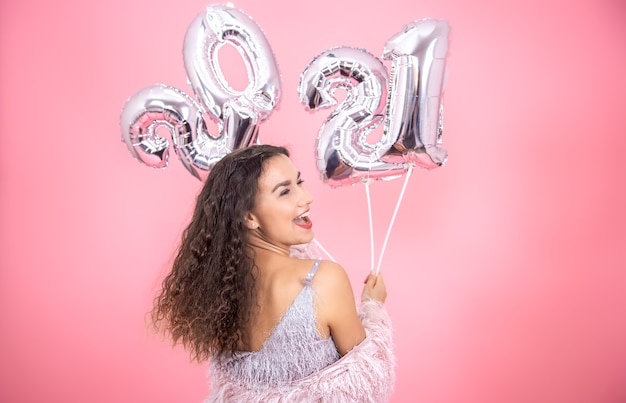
(306,239)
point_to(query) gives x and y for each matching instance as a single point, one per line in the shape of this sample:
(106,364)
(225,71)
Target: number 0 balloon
(236,113)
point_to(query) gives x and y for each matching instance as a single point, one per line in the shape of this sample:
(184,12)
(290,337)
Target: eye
(285,191)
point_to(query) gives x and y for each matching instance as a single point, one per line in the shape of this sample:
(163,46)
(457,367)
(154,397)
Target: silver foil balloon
(344,154)
(415,110)
(160,106)
(217,26)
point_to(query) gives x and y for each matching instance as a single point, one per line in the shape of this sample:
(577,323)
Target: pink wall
(506,268)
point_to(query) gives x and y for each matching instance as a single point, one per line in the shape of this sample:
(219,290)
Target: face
(281,213)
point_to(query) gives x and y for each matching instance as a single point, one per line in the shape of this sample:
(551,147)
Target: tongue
(301,221)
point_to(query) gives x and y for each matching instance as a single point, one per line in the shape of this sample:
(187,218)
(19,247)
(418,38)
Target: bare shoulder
(331,277)
(330,268)
(294,271)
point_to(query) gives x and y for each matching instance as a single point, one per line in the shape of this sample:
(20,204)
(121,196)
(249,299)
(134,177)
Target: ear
(251,221)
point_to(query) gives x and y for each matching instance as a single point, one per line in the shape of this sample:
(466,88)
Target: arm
(336,308)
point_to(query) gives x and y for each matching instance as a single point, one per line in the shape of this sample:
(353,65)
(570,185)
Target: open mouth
(303,221)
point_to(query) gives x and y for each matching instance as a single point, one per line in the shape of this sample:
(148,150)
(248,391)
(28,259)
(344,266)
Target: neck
(261,245)
(269,248)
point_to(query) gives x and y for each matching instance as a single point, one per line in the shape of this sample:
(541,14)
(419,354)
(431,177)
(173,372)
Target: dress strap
(311,274)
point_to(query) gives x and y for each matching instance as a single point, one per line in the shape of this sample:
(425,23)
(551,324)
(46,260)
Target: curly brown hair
(206,299)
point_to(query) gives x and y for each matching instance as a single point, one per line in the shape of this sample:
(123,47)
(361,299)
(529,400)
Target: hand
(374,288)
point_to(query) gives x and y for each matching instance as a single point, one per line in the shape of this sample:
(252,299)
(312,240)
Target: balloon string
(369,212)
(324,250)
(393,218)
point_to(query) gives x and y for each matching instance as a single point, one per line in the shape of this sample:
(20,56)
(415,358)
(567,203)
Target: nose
(305,197)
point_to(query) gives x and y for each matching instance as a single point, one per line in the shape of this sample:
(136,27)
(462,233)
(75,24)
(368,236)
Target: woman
(275,327)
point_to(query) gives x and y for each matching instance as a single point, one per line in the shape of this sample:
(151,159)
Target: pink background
(506,268)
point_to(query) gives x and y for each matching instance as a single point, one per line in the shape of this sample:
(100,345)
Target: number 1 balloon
(236,113)
(415,109)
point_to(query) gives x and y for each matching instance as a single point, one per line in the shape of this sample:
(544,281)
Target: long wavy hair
(206,299)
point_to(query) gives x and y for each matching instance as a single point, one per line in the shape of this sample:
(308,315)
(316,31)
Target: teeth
(304,215)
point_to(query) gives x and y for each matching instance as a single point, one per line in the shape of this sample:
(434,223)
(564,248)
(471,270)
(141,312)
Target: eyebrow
(284,183)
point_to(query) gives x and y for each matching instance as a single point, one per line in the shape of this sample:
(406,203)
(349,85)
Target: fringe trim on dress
(365,374)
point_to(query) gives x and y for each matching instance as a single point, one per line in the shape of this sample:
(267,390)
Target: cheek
(265,215)
(275,215)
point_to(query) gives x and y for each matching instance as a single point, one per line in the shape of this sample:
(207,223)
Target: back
(293,350)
